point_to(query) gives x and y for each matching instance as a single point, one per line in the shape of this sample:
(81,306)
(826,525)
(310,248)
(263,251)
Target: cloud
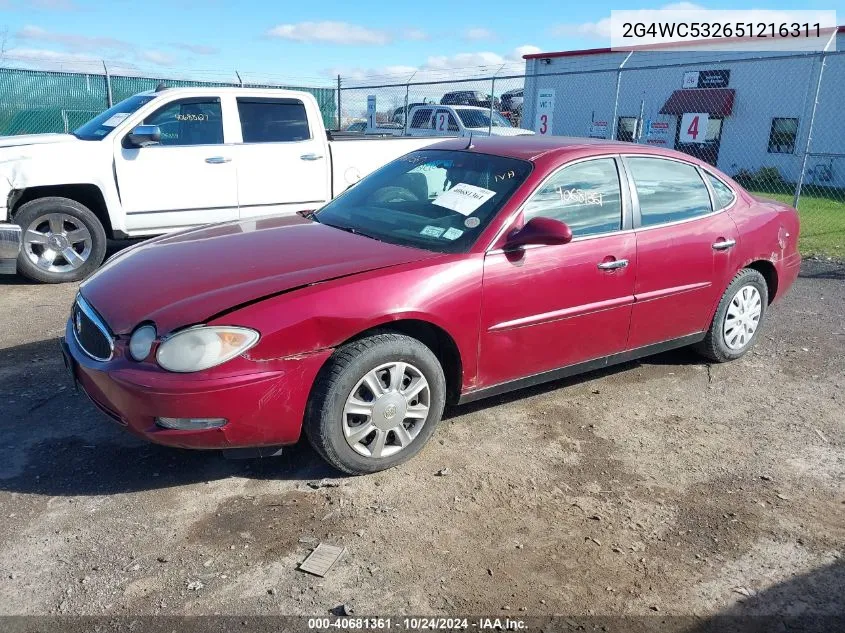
(197,49)
(330,32)
(84,48)
(601,29)
(72,42)
(53,5)
(43,54)
(416,35)
(527,49)
(157,57)
(442,67)
(476,34)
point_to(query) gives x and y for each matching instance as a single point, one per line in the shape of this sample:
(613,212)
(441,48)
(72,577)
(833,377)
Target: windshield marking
(463,198)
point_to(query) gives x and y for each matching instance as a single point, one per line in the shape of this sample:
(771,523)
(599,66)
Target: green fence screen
(35,101)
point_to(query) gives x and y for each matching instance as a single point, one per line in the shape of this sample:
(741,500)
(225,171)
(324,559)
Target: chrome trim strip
(86,308)
(565,313)
(666,292)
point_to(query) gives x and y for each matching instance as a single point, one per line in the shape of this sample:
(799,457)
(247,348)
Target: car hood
(35,139)
(186,278)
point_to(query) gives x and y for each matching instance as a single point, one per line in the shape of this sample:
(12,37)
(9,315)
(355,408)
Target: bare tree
(4,38)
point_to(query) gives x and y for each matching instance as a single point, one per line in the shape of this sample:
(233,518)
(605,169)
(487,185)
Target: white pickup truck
(458,120)
(166,160)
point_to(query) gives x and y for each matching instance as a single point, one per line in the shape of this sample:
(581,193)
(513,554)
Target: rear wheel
(376,403)
(62,240)
(738,318)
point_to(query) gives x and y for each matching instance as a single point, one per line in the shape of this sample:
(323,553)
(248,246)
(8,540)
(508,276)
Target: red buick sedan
(454,273)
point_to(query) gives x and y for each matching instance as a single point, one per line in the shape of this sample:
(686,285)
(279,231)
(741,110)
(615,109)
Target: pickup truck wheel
(62,240)
(376,403)
(738,318)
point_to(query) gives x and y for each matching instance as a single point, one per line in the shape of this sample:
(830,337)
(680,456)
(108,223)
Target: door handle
(218,160)
(311,156)
(724,245)
(613,265)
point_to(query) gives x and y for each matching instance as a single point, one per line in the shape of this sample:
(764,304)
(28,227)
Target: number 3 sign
(693,127)
(545,110)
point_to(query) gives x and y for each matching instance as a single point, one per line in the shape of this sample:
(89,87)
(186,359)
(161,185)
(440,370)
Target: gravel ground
(666,485)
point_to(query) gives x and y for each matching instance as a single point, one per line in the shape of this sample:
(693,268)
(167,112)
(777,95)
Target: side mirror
(540,231)
(143,136)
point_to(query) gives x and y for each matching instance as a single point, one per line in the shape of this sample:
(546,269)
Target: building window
(626,129)
(782,136)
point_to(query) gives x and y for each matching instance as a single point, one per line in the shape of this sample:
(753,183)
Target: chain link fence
(36,101)
(770,120)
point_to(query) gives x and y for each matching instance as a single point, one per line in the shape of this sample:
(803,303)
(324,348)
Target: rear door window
(724,194)
(273,120)
(668,190)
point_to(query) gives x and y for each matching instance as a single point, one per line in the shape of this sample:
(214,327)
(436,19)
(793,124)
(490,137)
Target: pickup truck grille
(91,333)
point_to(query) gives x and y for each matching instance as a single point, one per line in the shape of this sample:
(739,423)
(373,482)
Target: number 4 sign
(693,127)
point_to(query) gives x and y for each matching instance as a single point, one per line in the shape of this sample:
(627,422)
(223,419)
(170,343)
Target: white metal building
(757,105)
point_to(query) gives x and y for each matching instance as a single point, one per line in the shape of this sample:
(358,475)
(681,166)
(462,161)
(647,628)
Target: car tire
(345,419)
(71,245)
(738,319)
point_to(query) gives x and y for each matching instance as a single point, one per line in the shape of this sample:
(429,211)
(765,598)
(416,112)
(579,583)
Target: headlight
(141,342)
(202,347)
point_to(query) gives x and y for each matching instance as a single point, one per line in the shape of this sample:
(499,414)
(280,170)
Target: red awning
(714,101)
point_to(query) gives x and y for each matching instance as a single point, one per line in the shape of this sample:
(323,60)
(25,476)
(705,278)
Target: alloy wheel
(57,242)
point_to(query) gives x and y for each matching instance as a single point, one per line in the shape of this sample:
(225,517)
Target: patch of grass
(822,214)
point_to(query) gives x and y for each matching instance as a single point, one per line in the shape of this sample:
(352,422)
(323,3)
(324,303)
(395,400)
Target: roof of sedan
(531,147)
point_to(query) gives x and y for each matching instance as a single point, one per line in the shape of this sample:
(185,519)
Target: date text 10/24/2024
(416,624)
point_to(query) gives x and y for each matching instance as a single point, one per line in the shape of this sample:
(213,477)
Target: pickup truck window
(480,118)
(422,118)
(101,125)
(437,200)
(196,121)
(273,120)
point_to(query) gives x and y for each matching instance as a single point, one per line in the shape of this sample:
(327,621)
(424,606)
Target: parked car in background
(455,273)
(461,121)
(167,160)
(357,126)
(470,98)
(512,101)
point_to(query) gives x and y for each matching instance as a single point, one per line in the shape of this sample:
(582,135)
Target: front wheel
(738,318)
(62,240)
(376,403)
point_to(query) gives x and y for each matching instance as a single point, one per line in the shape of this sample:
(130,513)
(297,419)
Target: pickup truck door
(283,163)
(185,180)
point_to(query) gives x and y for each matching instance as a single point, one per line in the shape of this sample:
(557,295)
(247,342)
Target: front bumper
(10,246)
(264,408)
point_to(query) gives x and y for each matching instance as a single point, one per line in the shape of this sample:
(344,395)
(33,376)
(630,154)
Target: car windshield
(438,200)
(100,126)
(481,118)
